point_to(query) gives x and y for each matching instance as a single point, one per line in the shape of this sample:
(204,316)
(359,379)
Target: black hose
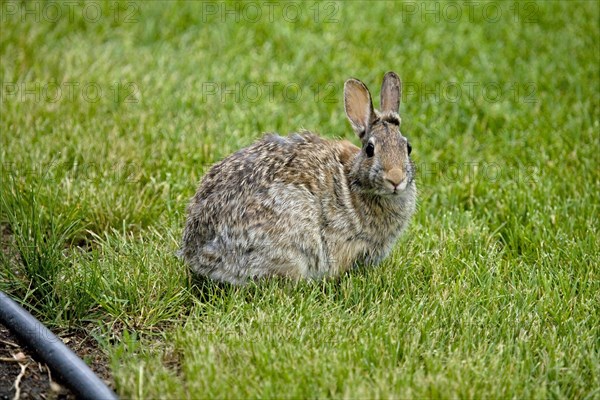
(61,360)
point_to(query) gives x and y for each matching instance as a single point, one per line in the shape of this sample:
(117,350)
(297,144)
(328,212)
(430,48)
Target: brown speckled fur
(303,206)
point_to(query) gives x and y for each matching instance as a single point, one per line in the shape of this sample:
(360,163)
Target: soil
(38,382)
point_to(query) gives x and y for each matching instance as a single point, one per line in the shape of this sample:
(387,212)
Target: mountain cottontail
(303,206)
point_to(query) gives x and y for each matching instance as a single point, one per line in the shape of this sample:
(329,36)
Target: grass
(108,123)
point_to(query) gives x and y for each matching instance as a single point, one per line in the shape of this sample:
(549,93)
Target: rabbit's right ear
(391,92)
(358,106)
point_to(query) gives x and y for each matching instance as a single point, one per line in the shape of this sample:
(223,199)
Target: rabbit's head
(383,166)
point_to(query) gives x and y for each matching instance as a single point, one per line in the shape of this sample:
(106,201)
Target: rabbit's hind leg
(235,258)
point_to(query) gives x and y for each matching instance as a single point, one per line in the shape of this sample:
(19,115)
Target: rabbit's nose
(395,177)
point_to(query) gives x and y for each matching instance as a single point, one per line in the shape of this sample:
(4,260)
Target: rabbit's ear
(358,106)
(391,92)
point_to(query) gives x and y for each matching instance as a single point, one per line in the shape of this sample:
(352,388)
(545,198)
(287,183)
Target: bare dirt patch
(36,381)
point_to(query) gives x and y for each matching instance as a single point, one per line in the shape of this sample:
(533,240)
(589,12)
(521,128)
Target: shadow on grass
(330,289)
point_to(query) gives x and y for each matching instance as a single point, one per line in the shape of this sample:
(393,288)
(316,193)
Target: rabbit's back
(274,208)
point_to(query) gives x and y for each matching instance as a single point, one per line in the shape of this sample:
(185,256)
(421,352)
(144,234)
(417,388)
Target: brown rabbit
(303,206)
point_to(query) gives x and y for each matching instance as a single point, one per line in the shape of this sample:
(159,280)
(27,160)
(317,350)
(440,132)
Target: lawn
(112,112)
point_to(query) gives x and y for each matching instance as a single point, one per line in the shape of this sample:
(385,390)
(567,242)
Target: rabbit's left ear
(391,92)
(358,106)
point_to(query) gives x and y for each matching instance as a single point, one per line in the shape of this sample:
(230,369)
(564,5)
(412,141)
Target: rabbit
(304,207)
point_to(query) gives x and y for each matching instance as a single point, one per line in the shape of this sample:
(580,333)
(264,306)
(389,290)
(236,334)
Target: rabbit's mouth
(388,192)
(399,190)
(396,188)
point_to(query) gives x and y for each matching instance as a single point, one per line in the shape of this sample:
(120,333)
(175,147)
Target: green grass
(493,292)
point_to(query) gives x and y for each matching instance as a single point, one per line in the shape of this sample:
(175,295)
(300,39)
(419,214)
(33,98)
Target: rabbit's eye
(409,148)
(370,150)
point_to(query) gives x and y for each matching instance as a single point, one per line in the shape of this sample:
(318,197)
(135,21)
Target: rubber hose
(74,372)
